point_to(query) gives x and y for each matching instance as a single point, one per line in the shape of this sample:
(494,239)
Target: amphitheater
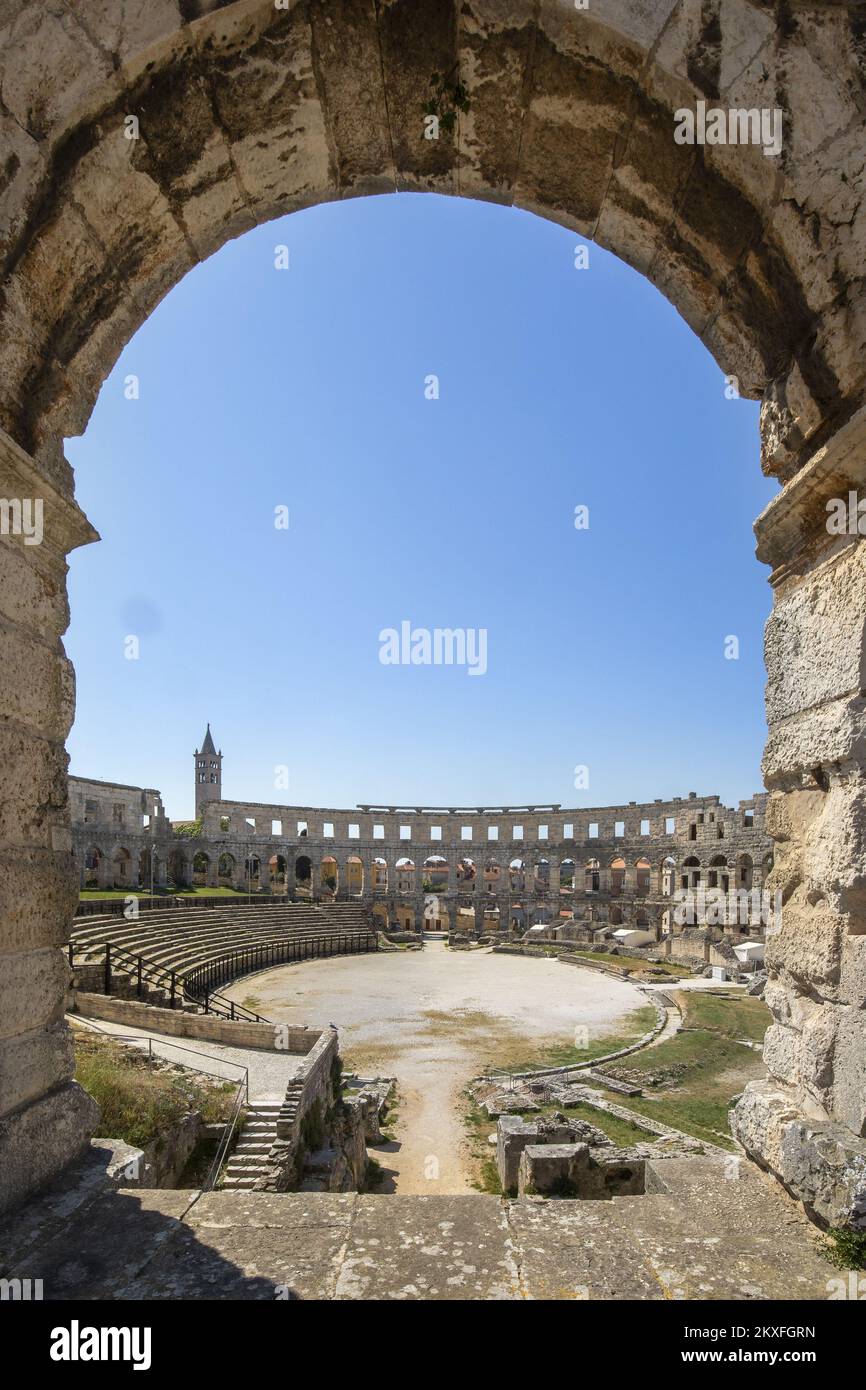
(425,868)
(247,110)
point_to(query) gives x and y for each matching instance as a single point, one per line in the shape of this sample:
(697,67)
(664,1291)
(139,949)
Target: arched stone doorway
(766,268)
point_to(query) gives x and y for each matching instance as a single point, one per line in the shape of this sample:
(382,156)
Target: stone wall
(177,1023)
(308,1101)
(764,259)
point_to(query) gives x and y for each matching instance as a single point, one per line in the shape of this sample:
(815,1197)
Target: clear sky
(304,388)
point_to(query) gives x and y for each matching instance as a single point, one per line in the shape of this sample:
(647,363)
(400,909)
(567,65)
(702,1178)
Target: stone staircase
(247,1162)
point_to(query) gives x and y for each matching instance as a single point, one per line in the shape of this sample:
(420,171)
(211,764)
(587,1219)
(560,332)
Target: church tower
(208,774)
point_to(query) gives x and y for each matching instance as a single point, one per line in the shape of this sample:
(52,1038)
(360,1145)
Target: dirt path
(434,1019)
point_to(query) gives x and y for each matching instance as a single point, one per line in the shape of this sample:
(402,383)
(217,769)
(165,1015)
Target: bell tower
(208,774)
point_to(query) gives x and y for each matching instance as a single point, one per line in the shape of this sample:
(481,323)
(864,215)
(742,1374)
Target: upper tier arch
(246,111)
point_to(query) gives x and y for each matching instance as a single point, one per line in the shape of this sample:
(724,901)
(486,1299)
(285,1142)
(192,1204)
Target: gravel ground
(434,1019)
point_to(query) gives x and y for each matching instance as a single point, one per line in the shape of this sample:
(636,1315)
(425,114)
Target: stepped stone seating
(181,942)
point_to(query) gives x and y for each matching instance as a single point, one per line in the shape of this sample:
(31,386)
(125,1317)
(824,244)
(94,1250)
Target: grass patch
(731,1016)
(692,1077)
(141,1099)
(628,1031)
(844,1248)
(622,1132)
(488,1178)
(627,962)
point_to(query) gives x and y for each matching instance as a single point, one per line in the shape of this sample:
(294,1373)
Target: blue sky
(305,388)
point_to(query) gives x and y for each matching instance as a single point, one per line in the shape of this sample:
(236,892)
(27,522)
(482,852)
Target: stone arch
(466,872)
(353,875)
(617,876)
(253,872)
(200,868)
(379,875)
(667,876)
(278,869)
(434,874)
(226,869)
(567,876)
(249,110)
(252,111)
(404,873)
(178,868)
(303,873)
(380,915)
(121,868)
(492,876)
(94,861)
(643,876)
(329,874)
(538,877)
(592,876)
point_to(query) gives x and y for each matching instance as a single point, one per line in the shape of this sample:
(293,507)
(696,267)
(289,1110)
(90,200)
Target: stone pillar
(264,870)
(46,1119)
(807,1123)
(553,881)
(452,872)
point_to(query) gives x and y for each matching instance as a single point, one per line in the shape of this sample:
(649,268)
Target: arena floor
(434,1019)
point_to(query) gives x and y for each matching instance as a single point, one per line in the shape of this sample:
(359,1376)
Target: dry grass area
(139,1098)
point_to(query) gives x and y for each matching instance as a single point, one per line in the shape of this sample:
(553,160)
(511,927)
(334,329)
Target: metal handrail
(241,1099)
(223,1145)
(199,984)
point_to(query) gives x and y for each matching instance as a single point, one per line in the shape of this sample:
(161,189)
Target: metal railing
(201,982)
(241,1098)
(200,985)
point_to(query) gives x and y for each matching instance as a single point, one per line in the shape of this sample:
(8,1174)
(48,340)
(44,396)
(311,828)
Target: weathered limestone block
(45,1117)
(39,1140)
(574,1170)
(25,1061)
(807,1124)
(821,1163)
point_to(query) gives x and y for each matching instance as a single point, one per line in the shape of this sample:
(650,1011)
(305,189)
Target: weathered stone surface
(680,1241)
(823,1164)
(247,110)
(40,1140)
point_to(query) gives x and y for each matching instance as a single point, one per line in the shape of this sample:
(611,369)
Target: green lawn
(632,1027)
(691,1078)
